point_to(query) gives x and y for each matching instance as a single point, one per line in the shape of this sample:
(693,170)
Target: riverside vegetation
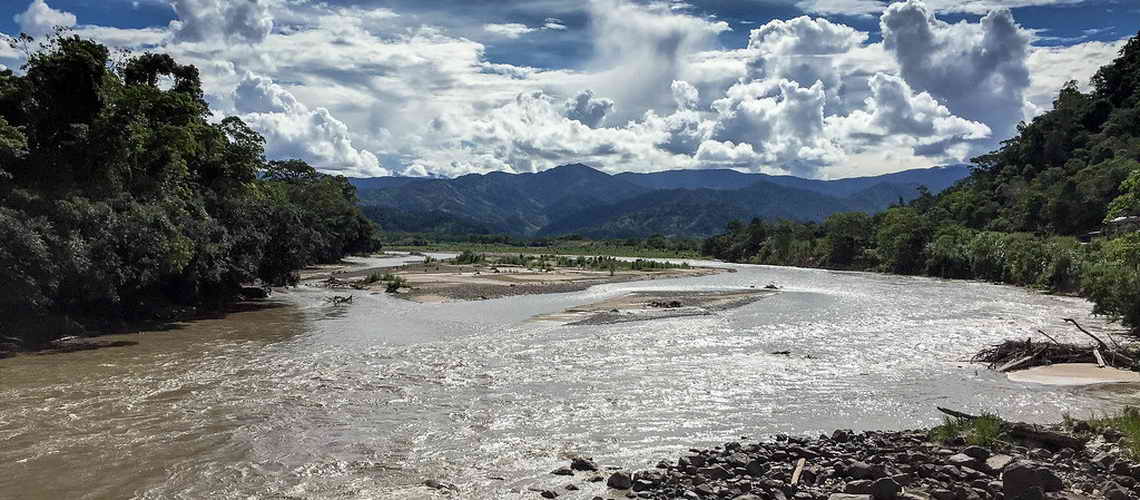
(120,199)
(1017,219)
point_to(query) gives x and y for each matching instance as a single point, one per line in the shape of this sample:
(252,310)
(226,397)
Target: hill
(580,199)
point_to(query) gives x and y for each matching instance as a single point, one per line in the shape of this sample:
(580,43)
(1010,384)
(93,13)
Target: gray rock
(439,485)
(848,496)
(942,494)
(1113,491)
(998,462)
(961,459)
(562,471)
(861,486)
(1104,460)
(620,481)
(1034,493)
(548,494)
(583,464)
(747,497)
(885,489)
(1020,477)
(977,452)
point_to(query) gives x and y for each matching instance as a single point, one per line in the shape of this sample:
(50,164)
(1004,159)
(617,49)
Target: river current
(296,398)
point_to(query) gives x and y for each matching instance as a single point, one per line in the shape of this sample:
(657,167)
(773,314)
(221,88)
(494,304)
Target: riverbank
(983,458)
(436,281)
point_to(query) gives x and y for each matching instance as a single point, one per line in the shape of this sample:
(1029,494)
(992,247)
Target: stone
(861,486)
(562,471)
(439,485)
(571,487)
(863,470)
(548,494)
(1113,491)
(747,497)
(961,459)
(885,489)
(943,494)
(1034,493)
(1104,460)
(620,481)
(1020,477)
(997,463)
(841,436)
(583,464)
(848,496)
(976,452)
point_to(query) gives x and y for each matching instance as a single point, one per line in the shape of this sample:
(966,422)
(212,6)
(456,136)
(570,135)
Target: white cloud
(511,30)
(978,69)
(40,19)
(236,20)
(1051,67)
(342,87)
(293,130)
(868,7)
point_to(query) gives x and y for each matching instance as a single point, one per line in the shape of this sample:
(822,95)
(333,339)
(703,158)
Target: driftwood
(1028,432)
(337,300)
(1099,359)
(799,470)
(1049,337)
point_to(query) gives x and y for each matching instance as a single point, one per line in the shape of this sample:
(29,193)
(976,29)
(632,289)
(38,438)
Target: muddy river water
(296,398)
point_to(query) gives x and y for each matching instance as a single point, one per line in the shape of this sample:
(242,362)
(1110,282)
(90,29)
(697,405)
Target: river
(296,398)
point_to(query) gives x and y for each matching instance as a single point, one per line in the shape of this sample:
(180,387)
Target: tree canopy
(120,195)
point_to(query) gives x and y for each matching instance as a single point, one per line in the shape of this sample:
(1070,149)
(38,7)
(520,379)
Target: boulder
(860,486)
(583,464)
(977,452)
(997,463)
(1113,491)
(620,481)
(885,489)
(1020,477)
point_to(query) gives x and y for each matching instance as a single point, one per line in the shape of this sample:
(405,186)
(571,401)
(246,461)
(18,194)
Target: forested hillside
(120,199)
(1016,220)
(581,200)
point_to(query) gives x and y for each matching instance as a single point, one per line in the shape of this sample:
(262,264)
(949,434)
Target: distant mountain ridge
(582,200)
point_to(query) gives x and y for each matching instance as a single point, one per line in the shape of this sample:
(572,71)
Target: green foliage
(1112,279)
(1126,420)
(395,284)
(118,195)
(467,258)
(1015,220)
(986,430)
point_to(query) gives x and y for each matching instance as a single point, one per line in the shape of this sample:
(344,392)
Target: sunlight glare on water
(300,399)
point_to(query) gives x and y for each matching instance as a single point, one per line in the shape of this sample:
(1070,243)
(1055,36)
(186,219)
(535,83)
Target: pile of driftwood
(1021,354)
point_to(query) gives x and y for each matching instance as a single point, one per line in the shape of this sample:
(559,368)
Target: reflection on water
(309,400)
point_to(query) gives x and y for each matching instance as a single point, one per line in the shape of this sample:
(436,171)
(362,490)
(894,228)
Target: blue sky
(816,88)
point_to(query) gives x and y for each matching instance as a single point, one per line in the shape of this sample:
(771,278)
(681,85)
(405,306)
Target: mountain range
(577,199)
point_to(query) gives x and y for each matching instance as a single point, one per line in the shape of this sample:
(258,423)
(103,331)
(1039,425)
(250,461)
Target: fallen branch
(1049,337)
(1029,432)
(1086,332)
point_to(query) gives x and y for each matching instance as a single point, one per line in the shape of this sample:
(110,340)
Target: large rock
(620,481)
(997,463)
(584,464)
(1113,491)
(976,452)
(885,489)
(1020,477)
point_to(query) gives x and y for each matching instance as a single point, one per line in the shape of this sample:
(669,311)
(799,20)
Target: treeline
(120,198)
(653,242)
(1017,219)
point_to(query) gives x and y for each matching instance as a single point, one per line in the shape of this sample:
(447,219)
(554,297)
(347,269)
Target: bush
(1111,279)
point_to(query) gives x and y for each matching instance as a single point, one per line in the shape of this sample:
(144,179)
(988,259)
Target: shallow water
(300,399)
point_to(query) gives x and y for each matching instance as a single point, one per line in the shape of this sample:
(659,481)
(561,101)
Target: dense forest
(121,199)
(1020,218)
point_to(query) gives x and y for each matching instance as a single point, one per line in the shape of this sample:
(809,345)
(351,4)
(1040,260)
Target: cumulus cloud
(640,49)
(293,130)
(587,109)
(979,69)
(40,19)
(868,7)
(247,21)
(342,87)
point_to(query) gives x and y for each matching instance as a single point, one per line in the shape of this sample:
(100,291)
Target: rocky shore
(882,466)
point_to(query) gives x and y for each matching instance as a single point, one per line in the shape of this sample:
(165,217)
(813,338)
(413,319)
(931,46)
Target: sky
(812,88)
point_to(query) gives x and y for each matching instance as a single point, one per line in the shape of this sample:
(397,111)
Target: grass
(395,284)
(1125,420)
(986,430)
